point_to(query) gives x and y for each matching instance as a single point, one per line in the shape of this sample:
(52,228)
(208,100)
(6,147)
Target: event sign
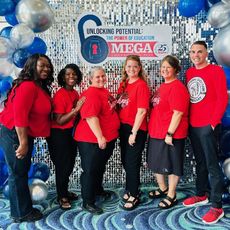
(98,43)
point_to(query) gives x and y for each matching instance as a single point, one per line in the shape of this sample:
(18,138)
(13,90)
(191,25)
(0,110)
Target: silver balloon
(38,191)
(226,1)
(219,15)
(6,48)
(6,67)
(226,168)
(37,14)
(221,47)
(22,35)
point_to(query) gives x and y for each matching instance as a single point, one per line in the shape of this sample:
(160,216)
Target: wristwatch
(169,134)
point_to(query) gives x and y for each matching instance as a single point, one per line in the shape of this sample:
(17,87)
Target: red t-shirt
(136,95)
(97,104)
(208,95)
(28,106)
(170,96)
(63,102)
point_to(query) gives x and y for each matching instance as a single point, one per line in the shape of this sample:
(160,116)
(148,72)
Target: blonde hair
(141,73)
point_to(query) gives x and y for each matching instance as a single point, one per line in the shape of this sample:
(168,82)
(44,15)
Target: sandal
(72,196)
(173,201)
(125,197)
(134,201)
(64,203)
(152,193)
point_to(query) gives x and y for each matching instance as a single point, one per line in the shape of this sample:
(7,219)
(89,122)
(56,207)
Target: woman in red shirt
(168,127)
(62,147)
(26,115)
(133,103)
(96,134)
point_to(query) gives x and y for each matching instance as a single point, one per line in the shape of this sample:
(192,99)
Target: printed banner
(98,43)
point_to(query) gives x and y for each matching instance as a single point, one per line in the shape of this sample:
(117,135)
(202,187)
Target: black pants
(63,150)
(93,163)
(131,157)
(204,142)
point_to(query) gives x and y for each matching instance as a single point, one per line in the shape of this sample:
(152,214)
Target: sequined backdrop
(61,40)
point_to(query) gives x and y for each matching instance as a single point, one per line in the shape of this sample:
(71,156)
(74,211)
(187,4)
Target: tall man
(208,100)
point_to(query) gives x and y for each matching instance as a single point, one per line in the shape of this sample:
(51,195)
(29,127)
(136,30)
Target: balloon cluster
(18,41)
(38,174)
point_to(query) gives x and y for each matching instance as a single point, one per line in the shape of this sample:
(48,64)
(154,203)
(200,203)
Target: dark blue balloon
(213,1)
(11,19)
(16,1)
(38,46)
(227,73)
(3,173)
(190,8)
(39,170)
(6,191)
(5,32)
(20,57)
(6,7)
(226,197)
(224,142)
(2,158)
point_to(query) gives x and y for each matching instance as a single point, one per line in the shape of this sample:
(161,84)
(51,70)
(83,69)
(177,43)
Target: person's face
(98,79)
(70,78)
(43,68)
(132,68)
(198,55)
(167,71)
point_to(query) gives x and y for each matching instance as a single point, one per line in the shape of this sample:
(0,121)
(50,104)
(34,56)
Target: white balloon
(226,168)
(221,47)
(6,48)
(22,35)
(219,15)
(226,1)
(6,67)
(37,14)
(38,191)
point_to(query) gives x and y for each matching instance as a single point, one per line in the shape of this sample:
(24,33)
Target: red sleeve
(222,97)
(179,99)
(143,96)
(23,102)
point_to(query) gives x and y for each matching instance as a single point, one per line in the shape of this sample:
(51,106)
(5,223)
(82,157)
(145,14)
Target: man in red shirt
(208,100)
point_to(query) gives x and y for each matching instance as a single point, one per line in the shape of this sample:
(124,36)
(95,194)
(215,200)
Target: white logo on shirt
(197,89)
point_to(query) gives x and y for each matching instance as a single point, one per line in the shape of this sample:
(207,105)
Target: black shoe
(92,208)
(33,216)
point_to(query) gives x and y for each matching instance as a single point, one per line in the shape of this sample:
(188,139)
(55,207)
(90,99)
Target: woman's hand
(168,140)
(101,142)
(132,138)
(21,151)
(80,102)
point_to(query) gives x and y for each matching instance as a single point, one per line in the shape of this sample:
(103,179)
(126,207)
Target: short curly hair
(61,74)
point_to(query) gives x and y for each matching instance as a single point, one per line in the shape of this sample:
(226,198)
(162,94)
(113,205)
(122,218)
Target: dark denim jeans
(19,195)
(204,142)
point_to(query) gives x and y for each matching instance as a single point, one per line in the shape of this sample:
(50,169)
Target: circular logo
(94,49)
(197,89)
(160,49)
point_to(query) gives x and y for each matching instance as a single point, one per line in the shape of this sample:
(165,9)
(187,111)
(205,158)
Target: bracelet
(169,134)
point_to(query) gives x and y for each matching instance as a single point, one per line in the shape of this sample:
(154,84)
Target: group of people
(93,121)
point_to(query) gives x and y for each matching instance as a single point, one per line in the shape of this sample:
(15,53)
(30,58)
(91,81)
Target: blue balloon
(224,142)
(6,7)
(6,191)
(5,32)
(38,46)
(226,197)
(3,174)
(190,8)
(39,170)
(5,85)
(2,158)
(213,1)
(20,57)
(227,73)
(11,19)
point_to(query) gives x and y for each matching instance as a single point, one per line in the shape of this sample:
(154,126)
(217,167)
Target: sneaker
(195,200)
(213,215)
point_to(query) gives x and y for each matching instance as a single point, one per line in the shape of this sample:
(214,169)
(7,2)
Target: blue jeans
(19,194)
